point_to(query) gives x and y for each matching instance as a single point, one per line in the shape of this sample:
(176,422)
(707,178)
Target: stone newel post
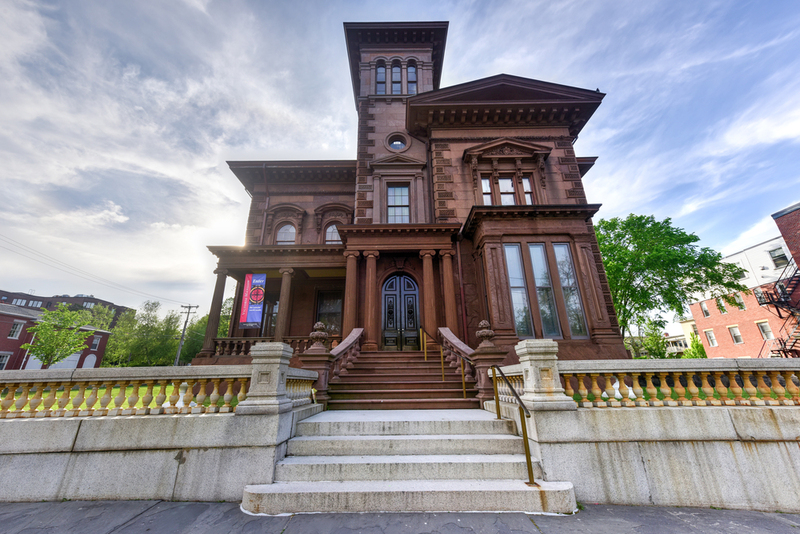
(539,361)
(485,356)
(318,358)
(267,393)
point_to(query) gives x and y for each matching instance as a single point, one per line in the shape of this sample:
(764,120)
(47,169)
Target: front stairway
(400,381)
(406,461)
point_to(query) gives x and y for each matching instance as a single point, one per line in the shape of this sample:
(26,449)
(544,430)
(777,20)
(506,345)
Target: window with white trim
(88,305)
(4,357)
(739,301)
(736,336)
(778,258)
(35,304)
(704,309)
(19,302)
(712,340)
(721,306)
(95,342)
(16,330)
(766,331)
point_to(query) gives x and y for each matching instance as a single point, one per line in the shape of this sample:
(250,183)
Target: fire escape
(784,297)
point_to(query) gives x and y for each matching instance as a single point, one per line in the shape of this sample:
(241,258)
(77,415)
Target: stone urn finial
(319,335)
(485,334)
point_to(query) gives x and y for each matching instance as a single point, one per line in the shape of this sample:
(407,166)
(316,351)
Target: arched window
(397,86)
(380,87)
(412,78)
(286,235)
(332,236)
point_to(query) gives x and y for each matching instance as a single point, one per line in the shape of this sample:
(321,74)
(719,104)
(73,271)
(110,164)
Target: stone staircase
(400,381)
(406,461)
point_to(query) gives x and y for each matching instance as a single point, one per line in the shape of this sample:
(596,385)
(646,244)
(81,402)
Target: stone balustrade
(514,375)
(240,346)
(135,391)
(345,354)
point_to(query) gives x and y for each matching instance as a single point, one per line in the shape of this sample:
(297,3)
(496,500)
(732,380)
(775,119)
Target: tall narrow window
(286,235)
(380,87)
(572,295)
(544,292)
(766,331)
(486,187)
(778,258)
(739,301)
(412,78)
(397,206)
(332,236)
(712,340)
(506,192)
(16,330)
(721,306)
(704,309)
(519,295)
(329,311)
(397,87)
(95,343)
(527,192)
(736,336)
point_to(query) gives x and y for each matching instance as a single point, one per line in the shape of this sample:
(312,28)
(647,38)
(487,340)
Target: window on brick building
(694,329)
(704,309)
(95,342)
(507,191)
(736,336)
(739,301)
(4,357)
(16,330)
(286,235)
(397,83)
(766,331)
(397,204)
(380,86)
(412,78)
(712,340)
(332,236)
(762,300)
(19,302)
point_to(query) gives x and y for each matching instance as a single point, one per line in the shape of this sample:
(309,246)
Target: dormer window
(286,235)
(412,78)
(332,236)
(397,85)
(380,88)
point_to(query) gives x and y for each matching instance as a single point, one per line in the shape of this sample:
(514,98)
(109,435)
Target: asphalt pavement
(136,517)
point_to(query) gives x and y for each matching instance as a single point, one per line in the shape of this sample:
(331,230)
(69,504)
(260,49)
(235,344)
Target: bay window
(507,191)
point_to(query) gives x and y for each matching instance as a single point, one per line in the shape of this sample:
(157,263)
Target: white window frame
(769,330)
(782,253)
(733,334)
(711,338)
(704,309)
(19,302)
(96,342)
(740,301)
(16,330)
(5,357)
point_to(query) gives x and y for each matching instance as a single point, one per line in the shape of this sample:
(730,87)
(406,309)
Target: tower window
(332,236)
(412,78)
(397,87)
(380,87)
(397,205)
(286,235)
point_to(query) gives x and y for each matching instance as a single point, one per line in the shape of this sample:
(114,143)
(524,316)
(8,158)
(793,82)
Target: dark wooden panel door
(400,299)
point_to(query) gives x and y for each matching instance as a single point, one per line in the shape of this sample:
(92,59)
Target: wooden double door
(400,306)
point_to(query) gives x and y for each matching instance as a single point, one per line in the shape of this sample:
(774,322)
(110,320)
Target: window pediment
(397,161)
(506,148)
(285,212)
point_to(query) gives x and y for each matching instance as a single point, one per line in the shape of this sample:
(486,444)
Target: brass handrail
(523,413)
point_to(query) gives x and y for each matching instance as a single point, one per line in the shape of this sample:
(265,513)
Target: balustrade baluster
(764,389)
(105,401)
(694,391)
(242,390)
(147,399)
(719,386)
(174,396)
(23,399)
(624,391)
(652,391)
(638,392)
(133,399)
(583,392)
(791,388)
(708,391)
(779,390)
(92,400)
(665,390)
(63,400)
(76,402)
(161,398)
(48,401)
(214,397)
(35,401)
(8,400)
(751,390)
(735,389)
(200,398)
(611,393)
(568,391)
(228,396)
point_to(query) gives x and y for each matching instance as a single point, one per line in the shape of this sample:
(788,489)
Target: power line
(86,275)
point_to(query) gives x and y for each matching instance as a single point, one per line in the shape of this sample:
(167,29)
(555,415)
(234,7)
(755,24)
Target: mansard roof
(397,35)
(503,100)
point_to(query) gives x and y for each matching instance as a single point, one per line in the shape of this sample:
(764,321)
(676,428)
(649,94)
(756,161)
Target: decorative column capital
(447,252)
(221,271)
(351,254)
(286,270)
(423,253)
(371,254)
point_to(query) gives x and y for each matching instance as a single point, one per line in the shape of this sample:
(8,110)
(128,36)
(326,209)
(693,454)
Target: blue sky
(118,117)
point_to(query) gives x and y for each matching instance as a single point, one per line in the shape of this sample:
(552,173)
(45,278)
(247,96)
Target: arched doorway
(400,299)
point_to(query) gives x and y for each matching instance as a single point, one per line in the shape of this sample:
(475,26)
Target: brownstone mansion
(464,203)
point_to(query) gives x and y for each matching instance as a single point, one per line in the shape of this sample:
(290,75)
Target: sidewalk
(129,517)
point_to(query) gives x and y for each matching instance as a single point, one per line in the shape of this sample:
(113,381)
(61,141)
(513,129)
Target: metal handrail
(425,335)
(523,413)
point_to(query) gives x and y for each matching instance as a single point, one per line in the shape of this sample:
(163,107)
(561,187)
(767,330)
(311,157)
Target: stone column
(485,356)
(539,361)
(350,293)
(213,313)
(267,394)
(283,303)
(372,311)
(429,297)
(450,314)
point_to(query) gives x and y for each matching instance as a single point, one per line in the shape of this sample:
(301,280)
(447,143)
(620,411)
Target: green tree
(195,335)
(143,338)
(225,318)
(119,350)
(102,316)
(653,266)
(58,334)
(653,340)
(696,348)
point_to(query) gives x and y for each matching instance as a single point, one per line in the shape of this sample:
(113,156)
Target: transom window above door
(507,191)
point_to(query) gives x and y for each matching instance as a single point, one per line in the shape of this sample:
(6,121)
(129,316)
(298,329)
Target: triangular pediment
(397,160)
(507,148)
(505,88)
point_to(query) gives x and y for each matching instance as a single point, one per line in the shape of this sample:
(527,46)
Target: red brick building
(14,324)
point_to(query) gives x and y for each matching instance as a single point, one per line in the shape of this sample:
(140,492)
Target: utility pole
(183,335)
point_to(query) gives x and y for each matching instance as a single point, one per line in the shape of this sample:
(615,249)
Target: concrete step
(363,426)
(398,467)
(404,445)
(409,496)
(404,404)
